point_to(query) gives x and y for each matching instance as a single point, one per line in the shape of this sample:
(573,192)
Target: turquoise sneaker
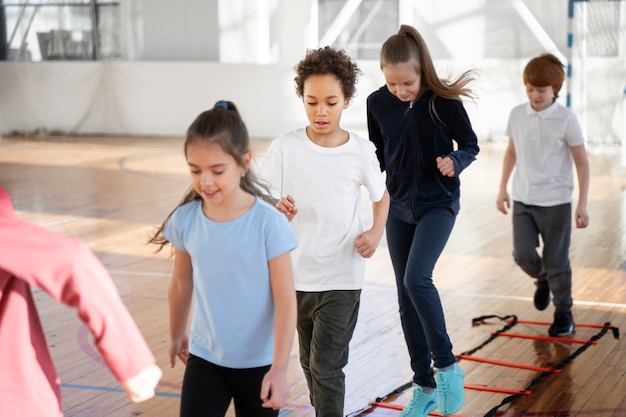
(421,404)
(450,394)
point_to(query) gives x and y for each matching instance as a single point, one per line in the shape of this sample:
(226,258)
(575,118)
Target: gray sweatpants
(554,226)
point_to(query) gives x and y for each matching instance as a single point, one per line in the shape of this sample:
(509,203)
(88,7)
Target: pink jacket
(65,268)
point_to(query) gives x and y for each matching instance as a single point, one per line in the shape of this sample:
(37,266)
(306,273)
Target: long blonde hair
(408,44)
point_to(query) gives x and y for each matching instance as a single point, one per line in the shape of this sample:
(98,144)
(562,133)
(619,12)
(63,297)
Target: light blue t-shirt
(232,321)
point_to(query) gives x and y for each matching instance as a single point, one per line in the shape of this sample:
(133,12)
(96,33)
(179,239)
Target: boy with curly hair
(316,173)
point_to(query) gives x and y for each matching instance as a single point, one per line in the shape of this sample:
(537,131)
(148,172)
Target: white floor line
(379,286)
(143,274)
(512,297)
(61,221)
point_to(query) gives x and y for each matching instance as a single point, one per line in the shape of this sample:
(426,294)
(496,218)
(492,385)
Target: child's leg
(205,390)
(526,241)
(334,320)
(422,313)
(399,239)
(306,308)
(429,239)
(246,388)
(556,225)
(418,247)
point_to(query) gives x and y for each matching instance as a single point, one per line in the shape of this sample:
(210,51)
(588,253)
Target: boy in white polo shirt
(545,138)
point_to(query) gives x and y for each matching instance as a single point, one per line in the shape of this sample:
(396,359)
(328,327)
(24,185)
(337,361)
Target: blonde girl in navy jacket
(414,120)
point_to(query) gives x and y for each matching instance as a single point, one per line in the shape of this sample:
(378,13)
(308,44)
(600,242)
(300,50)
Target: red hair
(545,70)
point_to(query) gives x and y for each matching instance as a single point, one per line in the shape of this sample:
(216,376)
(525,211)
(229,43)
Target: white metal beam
(536,28)
(340,22)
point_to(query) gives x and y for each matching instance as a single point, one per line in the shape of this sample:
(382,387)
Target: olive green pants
(326,322)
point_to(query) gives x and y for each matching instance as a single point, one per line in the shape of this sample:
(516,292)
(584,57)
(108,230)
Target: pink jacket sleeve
(68,270)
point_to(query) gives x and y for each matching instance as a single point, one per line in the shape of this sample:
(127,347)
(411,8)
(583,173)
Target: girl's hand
(180,349)
(445,166)
(287,206)
(274,390)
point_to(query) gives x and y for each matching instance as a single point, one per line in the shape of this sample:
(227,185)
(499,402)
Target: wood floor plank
(112,192)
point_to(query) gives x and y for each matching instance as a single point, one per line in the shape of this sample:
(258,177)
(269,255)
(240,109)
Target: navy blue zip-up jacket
(407,145)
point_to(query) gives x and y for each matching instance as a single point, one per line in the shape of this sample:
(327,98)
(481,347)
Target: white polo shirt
(544,166)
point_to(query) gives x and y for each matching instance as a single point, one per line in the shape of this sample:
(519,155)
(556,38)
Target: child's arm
(70,272)
(502,201)
(581,162)
(179,295)
(367,242)
(275,389)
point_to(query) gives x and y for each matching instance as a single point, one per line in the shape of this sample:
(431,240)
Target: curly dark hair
(328,60)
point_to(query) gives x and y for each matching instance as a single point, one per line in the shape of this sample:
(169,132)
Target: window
(53,30)
(358,27)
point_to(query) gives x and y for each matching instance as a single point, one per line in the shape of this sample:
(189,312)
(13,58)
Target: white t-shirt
(326,186)
(232,322)
(543,170)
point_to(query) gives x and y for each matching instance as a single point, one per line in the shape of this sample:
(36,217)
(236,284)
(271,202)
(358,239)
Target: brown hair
(545,70)
(224,126)
(331,61)
(408,44)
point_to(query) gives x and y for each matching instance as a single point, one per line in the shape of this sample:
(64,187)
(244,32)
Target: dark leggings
(415,249)
(209,388)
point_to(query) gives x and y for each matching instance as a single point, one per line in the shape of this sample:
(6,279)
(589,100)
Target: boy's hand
(582,218)
(287,206)
(366,243)
(502,201)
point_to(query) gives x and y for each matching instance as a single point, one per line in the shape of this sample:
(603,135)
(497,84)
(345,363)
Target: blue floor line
(283,413)
(111,389)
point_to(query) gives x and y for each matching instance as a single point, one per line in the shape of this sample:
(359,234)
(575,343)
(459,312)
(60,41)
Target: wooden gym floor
(111,192)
